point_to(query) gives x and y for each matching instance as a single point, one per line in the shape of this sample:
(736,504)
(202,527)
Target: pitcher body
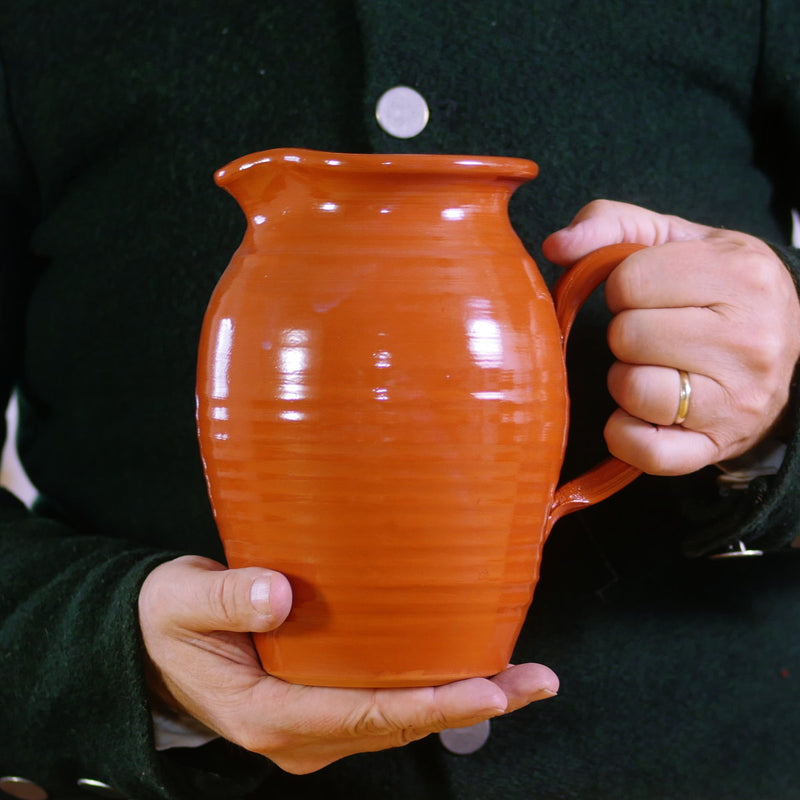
(382,411)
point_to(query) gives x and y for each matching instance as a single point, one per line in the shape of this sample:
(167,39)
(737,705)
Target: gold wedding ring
(683,398)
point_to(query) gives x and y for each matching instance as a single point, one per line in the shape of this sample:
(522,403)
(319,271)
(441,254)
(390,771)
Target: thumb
(604,222)
(201,595)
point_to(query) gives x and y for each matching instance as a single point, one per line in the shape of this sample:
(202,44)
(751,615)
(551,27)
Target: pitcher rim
(511,167)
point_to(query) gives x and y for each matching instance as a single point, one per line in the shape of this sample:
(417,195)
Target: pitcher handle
(571,292)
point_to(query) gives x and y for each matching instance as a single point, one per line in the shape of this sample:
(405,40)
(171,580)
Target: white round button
(463,741)
(402,112)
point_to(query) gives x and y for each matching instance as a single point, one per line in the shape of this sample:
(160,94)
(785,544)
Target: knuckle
(652,462)
(769,349)
(656,462)
(749,264)
(765,363)
(752,404)
(633,388)
(650,453)
(598,207)
(622,335)
(375,720)
(677,229)
(760,275)
(624,284)
(223,599)
(438,720)
(371,719)
(760,349)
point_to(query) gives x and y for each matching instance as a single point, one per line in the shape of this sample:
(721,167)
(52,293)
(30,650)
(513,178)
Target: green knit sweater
(680,674)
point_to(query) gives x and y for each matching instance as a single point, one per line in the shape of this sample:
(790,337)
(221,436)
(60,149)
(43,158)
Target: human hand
(195,618)
(718,304)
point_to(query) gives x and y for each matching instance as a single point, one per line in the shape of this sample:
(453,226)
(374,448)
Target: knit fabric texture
(680,676)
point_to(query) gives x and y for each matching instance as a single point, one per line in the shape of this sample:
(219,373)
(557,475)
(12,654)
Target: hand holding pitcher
(195,617)
(716,305)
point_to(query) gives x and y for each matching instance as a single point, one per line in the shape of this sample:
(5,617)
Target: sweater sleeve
(79,707)
(73,700)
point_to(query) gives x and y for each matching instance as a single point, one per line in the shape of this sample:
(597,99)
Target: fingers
(658,450)
(653,394)
(469,701)
(454,704)
(719,424)
(316,726)
(526,683)
(644,432)
(203,596)
(716,304)
(604,222)
(740,354)
(388,716)
(715,271)
(328,724)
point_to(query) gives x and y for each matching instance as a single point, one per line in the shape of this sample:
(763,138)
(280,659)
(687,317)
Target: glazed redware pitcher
(382,410)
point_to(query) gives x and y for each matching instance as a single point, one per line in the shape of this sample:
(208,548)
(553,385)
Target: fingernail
(259,595)
(543,694)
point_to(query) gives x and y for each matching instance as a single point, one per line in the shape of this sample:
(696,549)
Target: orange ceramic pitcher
(382,410)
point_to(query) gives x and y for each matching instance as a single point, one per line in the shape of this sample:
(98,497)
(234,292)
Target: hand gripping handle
(571,292)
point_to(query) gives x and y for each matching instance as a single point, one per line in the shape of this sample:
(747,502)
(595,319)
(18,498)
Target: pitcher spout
(248,178)
(226,177)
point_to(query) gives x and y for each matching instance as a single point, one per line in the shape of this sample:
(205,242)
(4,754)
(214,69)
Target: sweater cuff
(179,731)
